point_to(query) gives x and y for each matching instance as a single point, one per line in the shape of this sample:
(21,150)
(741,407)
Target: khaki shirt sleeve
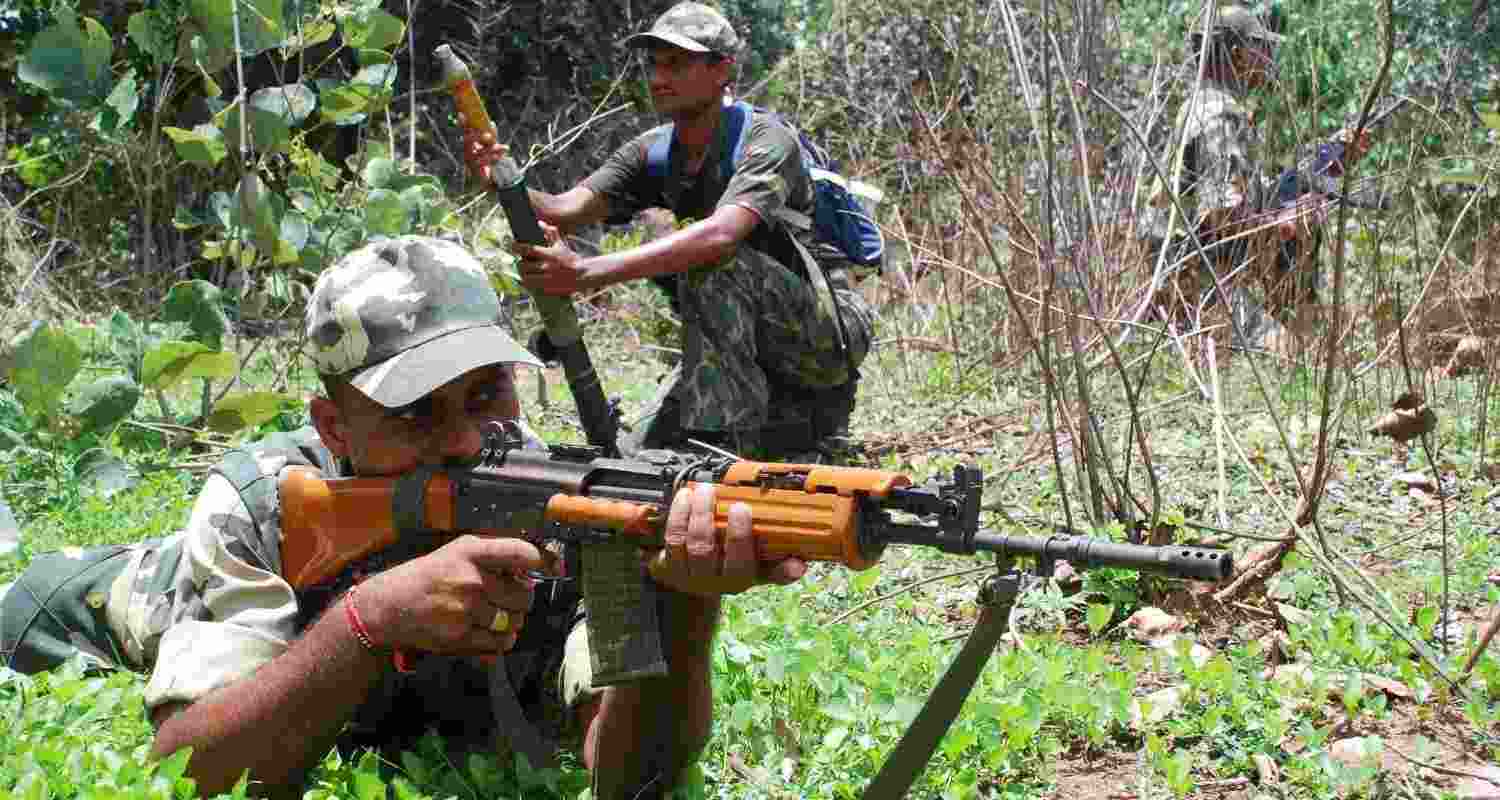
(213,613)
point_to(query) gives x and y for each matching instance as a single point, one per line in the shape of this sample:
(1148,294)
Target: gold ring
(501,622)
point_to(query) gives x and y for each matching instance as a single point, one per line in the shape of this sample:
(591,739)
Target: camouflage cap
(690,26)
(401,317)
(1242,21)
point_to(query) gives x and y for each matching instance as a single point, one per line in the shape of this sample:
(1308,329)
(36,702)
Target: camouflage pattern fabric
(401,317)
(690,26)
(201,609)
(756,334)
(749,328)
(1219,174)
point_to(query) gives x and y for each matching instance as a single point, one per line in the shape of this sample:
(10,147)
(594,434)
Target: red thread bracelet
(356,624)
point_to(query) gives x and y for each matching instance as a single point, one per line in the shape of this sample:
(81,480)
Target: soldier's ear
(332,428)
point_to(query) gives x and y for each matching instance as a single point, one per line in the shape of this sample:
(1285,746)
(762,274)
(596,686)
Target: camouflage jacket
(1219,172)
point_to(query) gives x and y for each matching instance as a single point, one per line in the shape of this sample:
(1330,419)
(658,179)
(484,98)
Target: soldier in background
(1232,205)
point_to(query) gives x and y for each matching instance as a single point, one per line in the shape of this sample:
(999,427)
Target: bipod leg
(996,597)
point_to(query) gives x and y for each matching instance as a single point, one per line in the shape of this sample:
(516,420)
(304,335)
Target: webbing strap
(511,722)
(921,739)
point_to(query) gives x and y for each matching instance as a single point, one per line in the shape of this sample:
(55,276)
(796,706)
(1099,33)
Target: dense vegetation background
(159,230)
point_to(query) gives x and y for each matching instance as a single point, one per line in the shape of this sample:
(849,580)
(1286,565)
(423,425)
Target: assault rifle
(576,495)
(1324,172)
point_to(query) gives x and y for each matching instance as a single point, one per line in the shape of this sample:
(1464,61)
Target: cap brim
(407,376)
(676,40)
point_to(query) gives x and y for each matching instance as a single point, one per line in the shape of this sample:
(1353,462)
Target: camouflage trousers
(756,341)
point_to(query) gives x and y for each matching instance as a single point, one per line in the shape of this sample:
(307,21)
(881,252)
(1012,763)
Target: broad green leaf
(121,103)
(835,737)
(1099,615)
(203,145)
(69,61)
(173,361)
(175,765)
(293,102)
(126,342)
(257,213)
(377,30)
(384,213)
(312,33)
(240,410)
(260,28)
(369,90)
(42,360)
(102,474)
(1492,119)
(367,783)
(268,131)
(295,232)
(380,173)
(185,218)
(1427,617)
(151,34)
(105,402)
(424,203)
(199,304)
(862,581)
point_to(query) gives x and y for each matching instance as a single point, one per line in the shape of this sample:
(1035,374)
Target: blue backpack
(838,218)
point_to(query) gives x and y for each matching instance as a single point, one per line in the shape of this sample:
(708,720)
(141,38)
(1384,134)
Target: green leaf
(380,173)
(384,213)
(198,304)
(175,765)
(293,102)
(203,145)
(240,410)
(41,363)
(105,402)
(1099,615)
(862,581)
(367,783)
(257,213)
(212,21)
(103,475)
(173,360)
(67,61)
(835,737)
(313,33)
(268,131)
(1427,617)
(151,34)
(126,342)
(122,103)
(369,90)
(377,30)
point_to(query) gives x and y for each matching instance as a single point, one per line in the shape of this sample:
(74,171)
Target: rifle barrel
(1197,563)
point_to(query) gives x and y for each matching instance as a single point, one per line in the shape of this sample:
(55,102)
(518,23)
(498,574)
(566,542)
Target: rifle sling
(921,739)
(511,723)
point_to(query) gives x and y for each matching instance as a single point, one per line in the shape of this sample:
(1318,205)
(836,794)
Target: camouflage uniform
(1219,173)
(760,343)
(208,605)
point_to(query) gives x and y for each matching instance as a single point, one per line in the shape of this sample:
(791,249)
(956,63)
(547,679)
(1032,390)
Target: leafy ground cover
(1292,691)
